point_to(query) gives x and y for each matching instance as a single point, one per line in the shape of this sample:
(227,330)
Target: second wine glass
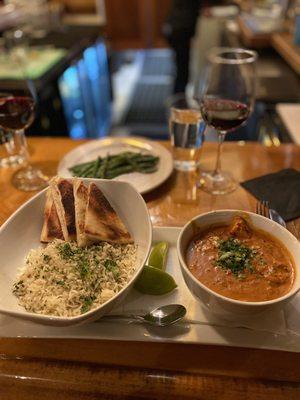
(226,94)
(16,114)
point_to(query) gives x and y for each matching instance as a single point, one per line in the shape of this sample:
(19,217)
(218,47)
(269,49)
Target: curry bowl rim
(231,213)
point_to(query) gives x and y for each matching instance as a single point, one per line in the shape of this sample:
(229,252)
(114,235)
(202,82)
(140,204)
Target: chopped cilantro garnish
(60,283)
(84,268)
(112,266)
(46,258)
(87,303)
(65,251)
(77,255)
(235,256)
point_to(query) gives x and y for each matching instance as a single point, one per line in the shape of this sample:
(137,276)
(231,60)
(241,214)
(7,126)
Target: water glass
(186,129)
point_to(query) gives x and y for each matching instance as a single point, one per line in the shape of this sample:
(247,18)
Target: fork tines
(262,208)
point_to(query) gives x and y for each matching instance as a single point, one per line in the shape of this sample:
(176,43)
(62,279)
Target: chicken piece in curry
(240,262)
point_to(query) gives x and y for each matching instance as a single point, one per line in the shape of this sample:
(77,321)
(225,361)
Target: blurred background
(108,67)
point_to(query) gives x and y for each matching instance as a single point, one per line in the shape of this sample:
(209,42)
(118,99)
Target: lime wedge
(158,255)
(154,281)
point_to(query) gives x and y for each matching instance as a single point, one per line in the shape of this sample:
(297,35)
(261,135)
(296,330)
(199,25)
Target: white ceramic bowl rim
(296,285)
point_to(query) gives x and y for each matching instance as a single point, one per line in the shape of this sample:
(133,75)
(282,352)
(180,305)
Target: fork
(262,208)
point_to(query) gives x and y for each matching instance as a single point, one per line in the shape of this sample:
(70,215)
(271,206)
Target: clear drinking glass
(226,94)
(186,129)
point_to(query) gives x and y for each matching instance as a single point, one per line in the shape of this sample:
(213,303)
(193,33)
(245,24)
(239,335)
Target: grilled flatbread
(63,196)
(51,228)
(101,220)
(80,201)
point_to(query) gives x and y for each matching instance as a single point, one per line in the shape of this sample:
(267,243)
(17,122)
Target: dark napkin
(281,189)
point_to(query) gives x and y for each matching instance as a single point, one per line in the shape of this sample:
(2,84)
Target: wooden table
(79,369)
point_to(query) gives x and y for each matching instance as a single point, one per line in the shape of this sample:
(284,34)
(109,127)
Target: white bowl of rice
(41,284)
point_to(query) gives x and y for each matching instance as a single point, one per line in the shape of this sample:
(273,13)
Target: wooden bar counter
(63,369)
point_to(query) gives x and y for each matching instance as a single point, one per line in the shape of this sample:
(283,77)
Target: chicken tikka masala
(240,262)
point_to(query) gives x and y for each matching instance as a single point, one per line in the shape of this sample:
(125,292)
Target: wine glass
(226,94)
(17,111)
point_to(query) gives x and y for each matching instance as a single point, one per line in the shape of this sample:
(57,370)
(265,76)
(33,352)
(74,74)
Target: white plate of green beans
(143,163)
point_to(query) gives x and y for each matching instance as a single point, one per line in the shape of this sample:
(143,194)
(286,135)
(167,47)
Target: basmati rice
(64,280)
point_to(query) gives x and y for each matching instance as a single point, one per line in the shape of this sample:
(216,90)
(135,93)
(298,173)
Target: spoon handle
(131,317)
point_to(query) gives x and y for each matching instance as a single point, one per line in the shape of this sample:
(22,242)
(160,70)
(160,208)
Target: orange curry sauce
(271,273)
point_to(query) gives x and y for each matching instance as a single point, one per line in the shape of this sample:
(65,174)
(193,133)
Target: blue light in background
(85,93)
(77,131)
(95,60)
(72,102)
(78,114)
(88,101)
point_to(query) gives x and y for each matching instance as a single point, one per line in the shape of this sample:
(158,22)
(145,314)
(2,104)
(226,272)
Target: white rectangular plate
(208,330)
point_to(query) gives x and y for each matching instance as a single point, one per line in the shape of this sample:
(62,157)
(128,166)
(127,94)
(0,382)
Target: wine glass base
(30,179)
(221,183)
(11,161)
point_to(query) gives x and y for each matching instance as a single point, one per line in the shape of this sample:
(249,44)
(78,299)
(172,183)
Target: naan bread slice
(101,220)
(63,196)
(51,228)
(80,201)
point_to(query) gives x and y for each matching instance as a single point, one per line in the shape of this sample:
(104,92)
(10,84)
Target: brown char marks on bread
(65,188)
(53,225)
(82,192)
(114,227)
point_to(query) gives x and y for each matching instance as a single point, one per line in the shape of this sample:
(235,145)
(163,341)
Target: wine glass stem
(24,147)
(221,137)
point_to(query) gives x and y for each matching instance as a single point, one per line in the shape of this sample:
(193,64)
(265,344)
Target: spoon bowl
(165,315)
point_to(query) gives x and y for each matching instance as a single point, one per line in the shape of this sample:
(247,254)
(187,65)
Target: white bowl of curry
(240,261)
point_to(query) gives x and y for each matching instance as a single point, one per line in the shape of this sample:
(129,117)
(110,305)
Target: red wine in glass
(16,112)
(225,91)
(224,115)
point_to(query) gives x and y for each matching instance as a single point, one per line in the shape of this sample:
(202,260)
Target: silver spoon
(274,216)
(161,316)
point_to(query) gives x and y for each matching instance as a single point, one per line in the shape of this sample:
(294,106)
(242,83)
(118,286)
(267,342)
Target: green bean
(105,164)
(87,173)
(146,162)
(146,157)
(112,166)
(116,162)
(132,162)
(99,173)
(119,171)
(149,170)
(102,169)
(96,165)
(81,165)
(83,169)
